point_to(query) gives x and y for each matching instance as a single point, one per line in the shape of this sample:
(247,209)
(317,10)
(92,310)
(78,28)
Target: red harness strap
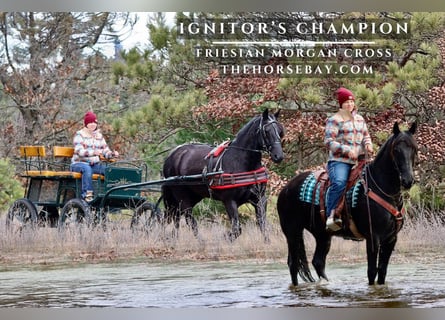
(240,179)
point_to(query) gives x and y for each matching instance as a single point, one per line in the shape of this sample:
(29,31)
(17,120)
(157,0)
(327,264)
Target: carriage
(52,191)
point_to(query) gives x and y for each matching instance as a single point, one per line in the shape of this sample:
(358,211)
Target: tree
(10,188)
(51,63)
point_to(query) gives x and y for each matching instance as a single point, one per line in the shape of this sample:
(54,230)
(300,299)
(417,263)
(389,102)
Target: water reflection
(217,284)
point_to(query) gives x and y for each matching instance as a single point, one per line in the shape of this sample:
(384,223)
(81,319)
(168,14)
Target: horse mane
(247,127)
(391,140)
(382,149)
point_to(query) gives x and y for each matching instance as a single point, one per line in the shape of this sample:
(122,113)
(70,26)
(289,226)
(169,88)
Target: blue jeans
(87,171)
(338,176)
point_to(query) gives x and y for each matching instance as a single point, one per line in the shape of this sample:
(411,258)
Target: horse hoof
(232,236)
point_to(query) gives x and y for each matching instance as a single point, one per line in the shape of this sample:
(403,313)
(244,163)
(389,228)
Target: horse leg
(172,212)
(186,208)
(191,222)
(232,211)
(176,218)
(372,249)
(322,247)
(292,263)
(260,212)
(386,249)
(175,211)
(259,202)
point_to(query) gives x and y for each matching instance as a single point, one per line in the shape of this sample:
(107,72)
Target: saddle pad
(352,194)
(310,184)
(307,190)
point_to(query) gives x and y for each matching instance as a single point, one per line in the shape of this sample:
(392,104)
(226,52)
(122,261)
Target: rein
(379,188)
(398,214)
(244,149)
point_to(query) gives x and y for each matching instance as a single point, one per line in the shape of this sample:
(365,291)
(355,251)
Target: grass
(49,246)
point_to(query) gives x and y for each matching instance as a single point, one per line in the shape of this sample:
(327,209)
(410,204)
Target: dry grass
(119,243)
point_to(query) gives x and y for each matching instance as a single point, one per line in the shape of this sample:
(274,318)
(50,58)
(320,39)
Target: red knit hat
(89,117)
(343,95)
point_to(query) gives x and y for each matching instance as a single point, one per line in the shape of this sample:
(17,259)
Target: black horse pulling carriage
(373,206)
(243,179)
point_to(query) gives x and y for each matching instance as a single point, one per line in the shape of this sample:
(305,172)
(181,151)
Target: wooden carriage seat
(34,159)
(62,156)
(37,165)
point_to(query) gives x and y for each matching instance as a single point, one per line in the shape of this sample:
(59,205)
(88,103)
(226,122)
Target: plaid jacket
(343,133)
(85,145)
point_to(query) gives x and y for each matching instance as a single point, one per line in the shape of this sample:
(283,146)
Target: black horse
(373,207)
(241,155)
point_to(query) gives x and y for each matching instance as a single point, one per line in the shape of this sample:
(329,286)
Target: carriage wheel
(74,212)
(22,214)
(146,216)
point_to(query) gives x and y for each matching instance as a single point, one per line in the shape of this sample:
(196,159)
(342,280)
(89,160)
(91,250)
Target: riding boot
(333,223)
(89,196)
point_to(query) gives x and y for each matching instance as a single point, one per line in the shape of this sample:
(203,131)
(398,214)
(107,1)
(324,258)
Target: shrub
(10,188)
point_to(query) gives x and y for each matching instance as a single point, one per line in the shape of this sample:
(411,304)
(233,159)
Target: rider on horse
(346,134)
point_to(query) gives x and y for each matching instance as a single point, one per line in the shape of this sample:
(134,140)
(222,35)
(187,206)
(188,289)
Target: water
(218,284)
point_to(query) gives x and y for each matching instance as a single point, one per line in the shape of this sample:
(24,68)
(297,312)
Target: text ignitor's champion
(219,28)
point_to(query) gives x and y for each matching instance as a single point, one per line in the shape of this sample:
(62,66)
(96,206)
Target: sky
(139,35)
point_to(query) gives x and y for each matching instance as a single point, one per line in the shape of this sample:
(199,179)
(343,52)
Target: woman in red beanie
(89,145)
(346,135)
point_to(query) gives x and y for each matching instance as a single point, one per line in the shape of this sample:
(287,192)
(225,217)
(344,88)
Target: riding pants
(338,176)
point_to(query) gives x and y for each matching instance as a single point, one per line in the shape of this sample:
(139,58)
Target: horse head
(271,132)
(403,153)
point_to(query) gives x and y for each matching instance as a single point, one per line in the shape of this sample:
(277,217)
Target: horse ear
(266,114)
(277,114)
(396,129)
(413,128)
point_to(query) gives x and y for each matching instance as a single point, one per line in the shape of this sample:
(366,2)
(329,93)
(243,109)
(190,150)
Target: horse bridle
(262,130)
(391,152)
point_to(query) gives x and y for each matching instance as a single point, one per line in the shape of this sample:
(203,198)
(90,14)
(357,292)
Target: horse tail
(297,258)
(301,260)
(292,220)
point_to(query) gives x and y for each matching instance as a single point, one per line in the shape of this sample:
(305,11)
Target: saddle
(322,178)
